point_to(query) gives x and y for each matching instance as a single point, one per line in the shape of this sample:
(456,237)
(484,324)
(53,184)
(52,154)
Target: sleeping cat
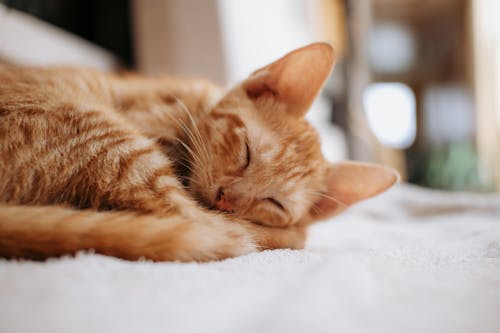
(168,169)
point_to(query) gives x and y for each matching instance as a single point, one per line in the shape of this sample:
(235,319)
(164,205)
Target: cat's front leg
(270,238)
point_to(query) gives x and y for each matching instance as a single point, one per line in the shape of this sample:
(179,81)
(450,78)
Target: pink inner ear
(325,207)
(295,79)
(256,89)
(351,182)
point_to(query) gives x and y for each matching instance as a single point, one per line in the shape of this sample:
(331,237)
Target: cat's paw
(211,238)
(218,239)
(267,238)
(293,237)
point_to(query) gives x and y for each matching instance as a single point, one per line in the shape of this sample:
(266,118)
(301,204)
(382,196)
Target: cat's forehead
(227,119)
(277,139)
(290,152)
(226,127)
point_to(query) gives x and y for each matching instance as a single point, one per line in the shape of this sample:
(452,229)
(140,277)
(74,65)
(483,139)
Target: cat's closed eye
(275,203)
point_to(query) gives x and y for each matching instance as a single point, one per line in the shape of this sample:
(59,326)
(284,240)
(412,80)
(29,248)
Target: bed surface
(411,260)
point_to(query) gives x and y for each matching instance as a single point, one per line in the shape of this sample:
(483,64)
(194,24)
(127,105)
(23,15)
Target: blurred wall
(180,38)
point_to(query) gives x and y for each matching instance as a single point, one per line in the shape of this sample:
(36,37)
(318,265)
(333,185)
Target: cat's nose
(222,202)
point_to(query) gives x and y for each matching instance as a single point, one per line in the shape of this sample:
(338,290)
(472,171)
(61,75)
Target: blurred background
(416,85)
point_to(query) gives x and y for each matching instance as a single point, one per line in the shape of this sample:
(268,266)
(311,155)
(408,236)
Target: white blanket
(411,260)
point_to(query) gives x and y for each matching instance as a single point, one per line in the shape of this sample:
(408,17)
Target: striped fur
(135,167)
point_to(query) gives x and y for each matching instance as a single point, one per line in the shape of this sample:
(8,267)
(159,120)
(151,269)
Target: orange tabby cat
(167,169)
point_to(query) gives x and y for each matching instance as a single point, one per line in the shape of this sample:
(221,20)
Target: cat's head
(260,159)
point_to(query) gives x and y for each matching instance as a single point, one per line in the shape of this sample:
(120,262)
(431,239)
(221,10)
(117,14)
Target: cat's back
(48,119)
(25,89)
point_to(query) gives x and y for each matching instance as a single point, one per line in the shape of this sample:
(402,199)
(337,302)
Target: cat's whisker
(186,165)
(185,157)
(190,135)
(183,126)
(200,157)
(194,181)
(200,142)
(186,128)
(194,171)
(201,150)
(192,138)
(191,152)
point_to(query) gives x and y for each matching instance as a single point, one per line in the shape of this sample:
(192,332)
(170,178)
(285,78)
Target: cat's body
(125,145)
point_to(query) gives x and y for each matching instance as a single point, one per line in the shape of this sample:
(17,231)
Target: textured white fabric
(409,261)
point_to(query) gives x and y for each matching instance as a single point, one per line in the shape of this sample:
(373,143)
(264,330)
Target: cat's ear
(348,183)
(294,79)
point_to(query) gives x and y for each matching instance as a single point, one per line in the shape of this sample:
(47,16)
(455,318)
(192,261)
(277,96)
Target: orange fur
(160,154)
